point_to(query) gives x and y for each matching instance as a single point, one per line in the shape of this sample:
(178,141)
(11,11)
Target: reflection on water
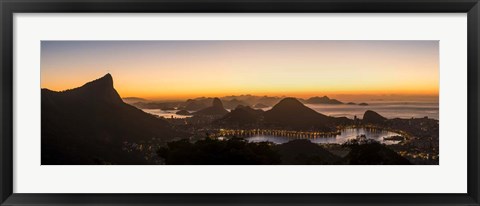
(345,135)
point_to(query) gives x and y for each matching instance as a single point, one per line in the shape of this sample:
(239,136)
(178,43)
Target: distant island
(183,112)
(322,100)
(133,99)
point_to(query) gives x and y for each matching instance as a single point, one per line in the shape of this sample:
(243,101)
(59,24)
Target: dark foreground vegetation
(237,151)
(214,152)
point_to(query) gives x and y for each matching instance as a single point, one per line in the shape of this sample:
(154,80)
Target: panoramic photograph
(240,102)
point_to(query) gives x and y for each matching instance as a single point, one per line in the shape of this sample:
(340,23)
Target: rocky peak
(217,103)
(372,117)
(99,89)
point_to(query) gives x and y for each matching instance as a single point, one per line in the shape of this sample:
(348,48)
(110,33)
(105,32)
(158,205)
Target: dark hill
(371,117)
(322,100)
(292,114)
(100,90)
(241,116)
(216,109)
(268,101)
(304,152)
(373,154)
(260,106)
(193,105)
(88,124)
(233,103)
(183,112)
(233,151)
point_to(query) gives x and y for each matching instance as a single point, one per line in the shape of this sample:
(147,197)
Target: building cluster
(274,132)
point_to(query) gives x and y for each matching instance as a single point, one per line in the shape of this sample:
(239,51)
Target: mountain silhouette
(183,112)
(193,105)
(241,116)
(372,117)
(233,103)
(260,106)
(291,113)
(322,100)
(100,90)
(88,124)
(216,109)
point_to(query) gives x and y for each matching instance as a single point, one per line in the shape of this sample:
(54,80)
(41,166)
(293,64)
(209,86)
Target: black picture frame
(10,7)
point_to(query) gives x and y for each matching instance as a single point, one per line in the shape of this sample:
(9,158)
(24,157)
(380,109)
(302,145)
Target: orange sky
(188,69)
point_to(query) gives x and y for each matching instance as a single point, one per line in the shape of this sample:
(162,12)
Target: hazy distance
(178,70)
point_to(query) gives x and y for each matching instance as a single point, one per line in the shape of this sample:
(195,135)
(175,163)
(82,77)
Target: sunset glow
(189,69)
